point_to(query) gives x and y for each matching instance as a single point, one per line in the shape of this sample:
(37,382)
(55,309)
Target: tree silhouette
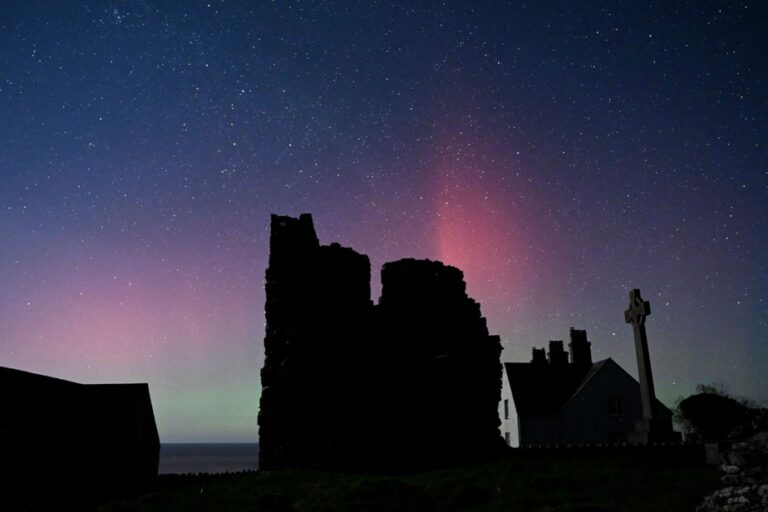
(713,415)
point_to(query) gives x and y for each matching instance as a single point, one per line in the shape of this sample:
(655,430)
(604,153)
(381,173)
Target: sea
(185,458)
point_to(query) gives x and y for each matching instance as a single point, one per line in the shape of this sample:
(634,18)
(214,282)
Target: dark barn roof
(99,436)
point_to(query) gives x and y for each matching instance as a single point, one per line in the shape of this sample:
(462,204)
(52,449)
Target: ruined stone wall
(412,382)
(442,373)
(318,307)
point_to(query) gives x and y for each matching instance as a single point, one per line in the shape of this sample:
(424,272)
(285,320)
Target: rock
(745,477)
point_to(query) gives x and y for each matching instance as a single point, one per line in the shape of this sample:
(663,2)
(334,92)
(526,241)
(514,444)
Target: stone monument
(651,428)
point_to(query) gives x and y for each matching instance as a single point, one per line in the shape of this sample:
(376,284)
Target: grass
(583,485)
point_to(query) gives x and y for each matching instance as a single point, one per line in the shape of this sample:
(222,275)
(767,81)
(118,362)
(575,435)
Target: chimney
(539,356)
(557,355)
(579,347)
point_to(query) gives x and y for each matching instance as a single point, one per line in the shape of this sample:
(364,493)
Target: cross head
(638,309)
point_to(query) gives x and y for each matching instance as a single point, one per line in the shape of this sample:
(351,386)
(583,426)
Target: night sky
(559,154)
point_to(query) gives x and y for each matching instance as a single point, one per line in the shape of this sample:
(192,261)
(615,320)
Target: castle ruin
(412,382)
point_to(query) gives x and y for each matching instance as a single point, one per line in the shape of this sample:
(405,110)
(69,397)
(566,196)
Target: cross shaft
(636,314)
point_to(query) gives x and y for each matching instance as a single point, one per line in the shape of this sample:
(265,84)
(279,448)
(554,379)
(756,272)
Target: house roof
(594,370)
(543,389)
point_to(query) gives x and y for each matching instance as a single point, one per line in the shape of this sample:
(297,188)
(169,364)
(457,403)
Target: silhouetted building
(69,443)
(409,383)
(557,401)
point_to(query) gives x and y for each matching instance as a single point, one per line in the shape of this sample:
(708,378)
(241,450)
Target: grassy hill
(520,484)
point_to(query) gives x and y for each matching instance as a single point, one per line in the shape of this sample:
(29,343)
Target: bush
(713,415)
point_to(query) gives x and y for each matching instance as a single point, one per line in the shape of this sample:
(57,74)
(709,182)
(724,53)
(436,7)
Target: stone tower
(318,312)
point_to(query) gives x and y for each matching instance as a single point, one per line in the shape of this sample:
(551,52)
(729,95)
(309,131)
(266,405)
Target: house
(564,398)
(72,442)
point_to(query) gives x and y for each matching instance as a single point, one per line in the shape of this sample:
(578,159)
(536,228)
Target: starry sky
(560,153)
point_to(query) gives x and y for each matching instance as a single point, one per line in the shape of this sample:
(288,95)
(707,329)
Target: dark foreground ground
(521,484)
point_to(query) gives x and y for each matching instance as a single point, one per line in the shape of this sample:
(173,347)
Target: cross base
(653,431)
